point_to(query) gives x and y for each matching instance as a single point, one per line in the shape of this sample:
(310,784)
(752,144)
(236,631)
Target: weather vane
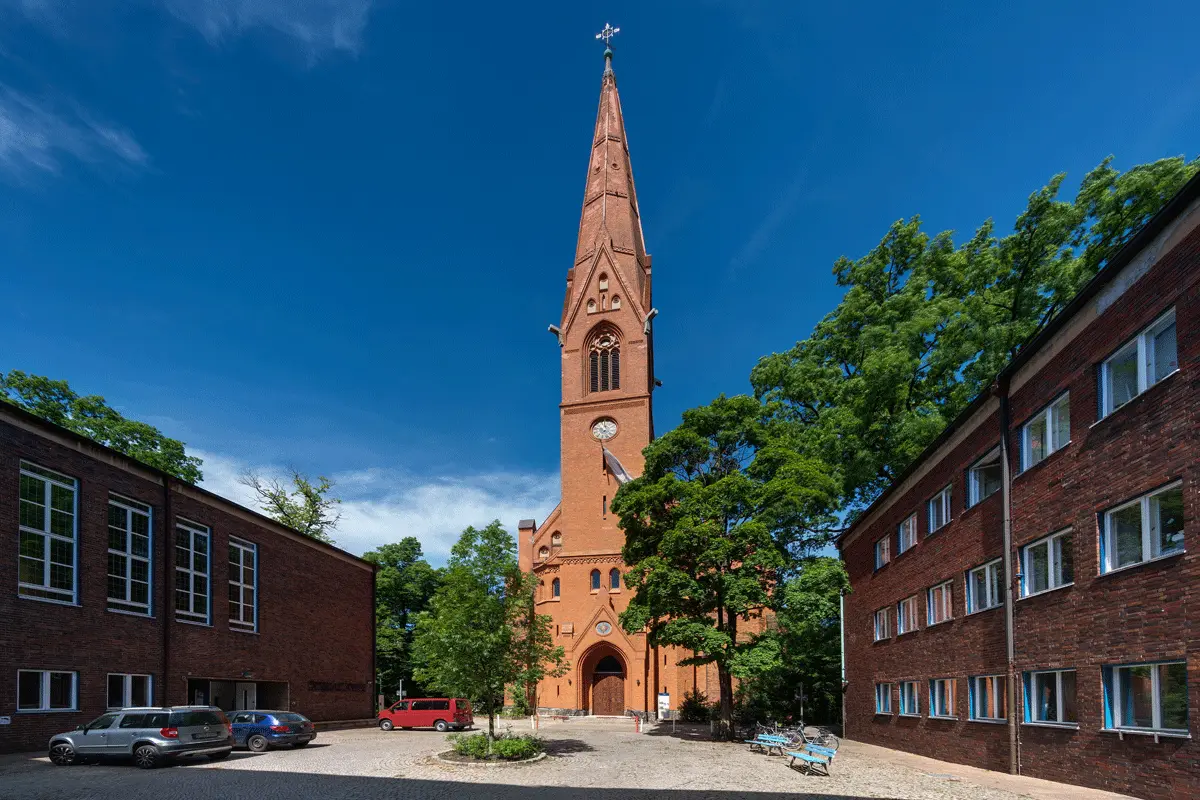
(608,32)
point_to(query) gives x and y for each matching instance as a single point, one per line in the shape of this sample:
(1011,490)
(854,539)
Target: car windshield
(291,718)
(187,719)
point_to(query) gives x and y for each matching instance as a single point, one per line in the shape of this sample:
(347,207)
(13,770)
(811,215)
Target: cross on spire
(608,32)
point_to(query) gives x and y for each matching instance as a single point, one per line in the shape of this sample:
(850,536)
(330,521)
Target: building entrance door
(608,688)
(246,697)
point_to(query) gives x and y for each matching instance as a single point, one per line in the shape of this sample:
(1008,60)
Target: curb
(535,759)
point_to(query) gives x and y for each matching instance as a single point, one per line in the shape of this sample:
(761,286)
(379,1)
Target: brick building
(124,586)
(607,348)
(1026,597)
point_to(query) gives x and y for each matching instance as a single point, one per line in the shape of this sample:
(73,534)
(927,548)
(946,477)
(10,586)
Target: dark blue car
(262,730)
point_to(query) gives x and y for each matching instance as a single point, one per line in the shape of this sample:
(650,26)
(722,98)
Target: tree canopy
(404,585)
(90,416)
(306,506)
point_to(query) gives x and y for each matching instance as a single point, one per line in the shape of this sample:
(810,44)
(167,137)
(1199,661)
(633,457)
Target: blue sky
(331,233)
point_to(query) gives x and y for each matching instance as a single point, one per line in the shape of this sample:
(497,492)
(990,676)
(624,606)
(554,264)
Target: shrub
(505,748)
(694,707)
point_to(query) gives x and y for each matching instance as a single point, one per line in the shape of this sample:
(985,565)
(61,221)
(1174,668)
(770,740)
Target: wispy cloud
(384,505)
(779,213)
(36,137)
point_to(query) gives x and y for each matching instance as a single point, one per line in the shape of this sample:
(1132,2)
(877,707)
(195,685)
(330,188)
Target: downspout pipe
(1014,739)
(167,537)
(842,638)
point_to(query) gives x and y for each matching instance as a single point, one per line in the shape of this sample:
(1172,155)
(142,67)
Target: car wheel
(440,726)
(62,754)
(146,756)
(258,743)
(299,744)
(386,724)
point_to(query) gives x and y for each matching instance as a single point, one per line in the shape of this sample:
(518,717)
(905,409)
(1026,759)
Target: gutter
(1014,740)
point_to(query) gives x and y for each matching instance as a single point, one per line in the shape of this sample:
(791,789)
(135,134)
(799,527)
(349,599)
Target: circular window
(603,628)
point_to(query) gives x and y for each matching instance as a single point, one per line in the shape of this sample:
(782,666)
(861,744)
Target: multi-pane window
(614,579)
(907,535)
(883,698)
(983,478)
(1050,697)
(984,587)
(989,697)
(129,691)
(193,567)
(939,509)
(883,627)
(555,588)
(45,690)
(604,363)
(883,551)
(941,697)
(46,552)
(1142,529)
(1048,432)
(1139,364)
(129,555)
(1147,697)
(941,602)
(595,580)
(243,585)
(906,615)
(910,703)
(1048,564)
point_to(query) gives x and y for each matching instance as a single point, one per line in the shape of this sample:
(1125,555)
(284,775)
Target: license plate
(213,735)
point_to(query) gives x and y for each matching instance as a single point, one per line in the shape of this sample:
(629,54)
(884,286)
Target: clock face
(604,429)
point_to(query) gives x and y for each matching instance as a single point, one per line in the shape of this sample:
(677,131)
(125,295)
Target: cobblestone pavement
(587,762)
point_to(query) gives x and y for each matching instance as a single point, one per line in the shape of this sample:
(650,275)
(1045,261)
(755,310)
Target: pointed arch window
(616,302)
(556,539)
(543,553)
(604,363)
(614,579)
(555,588)
(595,580)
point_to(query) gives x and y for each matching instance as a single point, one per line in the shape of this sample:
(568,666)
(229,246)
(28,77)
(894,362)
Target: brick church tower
(606,420)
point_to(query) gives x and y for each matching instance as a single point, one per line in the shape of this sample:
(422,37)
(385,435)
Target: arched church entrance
(608,687)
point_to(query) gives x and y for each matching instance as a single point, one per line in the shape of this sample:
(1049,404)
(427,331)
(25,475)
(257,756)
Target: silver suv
(149,735)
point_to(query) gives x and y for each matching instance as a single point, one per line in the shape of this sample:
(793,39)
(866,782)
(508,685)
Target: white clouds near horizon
(383,505)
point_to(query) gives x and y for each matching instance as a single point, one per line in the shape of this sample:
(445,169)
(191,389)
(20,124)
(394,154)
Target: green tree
(711,526)
(534,652)
(404,585)
(466,644)
(90,416)
(925,326)
(305,506)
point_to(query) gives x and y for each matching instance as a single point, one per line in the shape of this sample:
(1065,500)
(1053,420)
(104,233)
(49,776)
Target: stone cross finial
(608,32)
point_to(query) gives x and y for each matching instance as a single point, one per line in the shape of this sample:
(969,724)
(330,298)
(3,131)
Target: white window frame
(883,698)
(126,604)
(1045,417)
(190,573)
(910,526)
(974,487)
(883,627)
(951,694)
(1031,699)
(999,686)
(243,621)
(44,706)
(43,591)
(940,502)
(1142,343)
(1055,577)
(940,596)
(914,695)
(1150,545)
(910,603)
(993,584)
(1114,704)
(127,690)
(883,552)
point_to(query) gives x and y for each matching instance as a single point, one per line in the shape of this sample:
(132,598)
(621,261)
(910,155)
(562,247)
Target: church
(606,340)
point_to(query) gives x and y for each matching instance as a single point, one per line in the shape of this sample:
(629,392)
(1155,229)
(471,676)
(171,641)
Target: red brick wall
(315,607)
(1145,613)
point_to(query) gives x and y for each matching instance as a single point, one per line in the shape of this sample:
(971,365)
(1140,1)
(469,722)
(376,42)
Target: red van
(442,714)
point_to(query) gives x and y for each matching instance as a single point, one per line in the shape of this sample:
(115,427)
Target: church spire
(610,217)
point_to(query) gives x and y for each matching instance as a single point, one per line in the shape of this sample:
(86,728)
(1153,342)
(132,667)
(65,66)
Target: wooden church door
(608,688)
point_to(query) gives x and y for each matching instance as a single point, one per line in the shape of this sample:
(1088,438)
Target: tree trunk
(491,727)
(724,726)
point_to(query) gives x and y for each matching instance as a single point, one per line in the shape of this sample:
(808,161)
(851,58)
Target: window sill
(910,716)
(1156,559)
(946,718)
(614,591)
(32,711)
(1065,726)
(1123,732)
(1133,400)
(883,714)
(1026,470)
(74,603)
(195,622)
(939,622)
(243,630)
(983,610)
(988,721)
(1045,591)
(900,634)
(142,614)
(938,530)
(594,591)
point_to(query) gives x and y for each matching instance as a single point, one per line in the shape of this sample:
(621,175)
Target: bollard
(637,724)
